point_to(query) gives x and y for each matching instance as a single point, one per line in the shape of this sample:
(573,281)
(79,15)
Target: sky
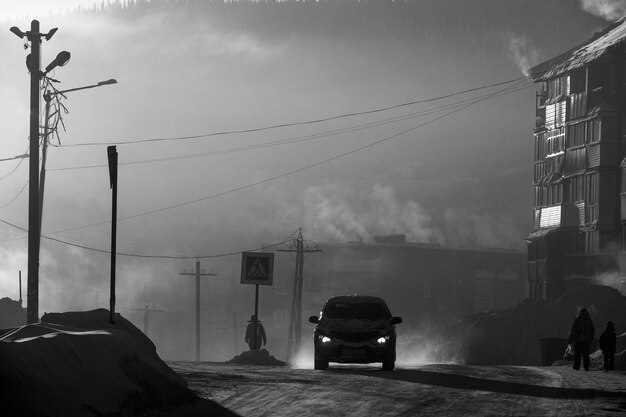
(207,165)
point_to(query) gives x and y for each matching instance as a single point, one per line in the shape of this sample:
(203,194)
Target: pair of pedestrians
(581,335)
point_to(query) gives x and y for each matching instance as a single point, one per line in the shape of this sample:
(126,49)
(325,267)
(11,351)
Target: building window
(591,242)
(594,130)
(558,87)
(555,115)
(592,186)
(576,134)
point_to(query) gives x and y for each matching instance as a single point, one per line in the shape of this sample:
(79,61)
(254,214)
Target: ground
(430,389)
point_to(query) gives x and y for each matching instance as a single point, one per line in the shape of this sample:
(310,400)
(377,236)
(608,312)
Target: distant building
(579,227)
(426,284)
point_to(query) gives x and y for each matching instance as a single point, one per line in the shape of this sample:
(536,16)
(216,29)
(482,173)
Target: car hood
(346,325)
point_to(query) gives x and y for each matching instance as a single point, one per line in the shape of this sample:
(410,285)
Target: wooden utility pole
(297,245)
(32,290)
(146,313)
(197,274)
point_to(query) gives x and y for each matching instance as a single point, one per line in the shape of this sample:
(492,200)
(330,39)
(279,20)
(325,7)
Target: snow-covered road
(443,390)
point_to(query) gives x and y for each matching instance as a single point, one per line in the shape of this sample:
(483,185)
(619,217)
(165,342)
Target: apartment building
(579,222)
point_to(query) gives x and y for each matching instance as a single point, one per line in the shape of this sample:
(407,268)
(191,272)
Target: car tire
(320,363)
(388,364)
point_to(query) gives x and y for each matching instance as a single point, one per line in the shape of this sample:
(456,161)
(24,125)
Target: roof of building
(599,44)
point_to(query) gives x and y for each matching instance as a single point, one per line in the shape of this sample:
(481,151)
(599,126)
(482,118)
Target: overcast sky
(448,175)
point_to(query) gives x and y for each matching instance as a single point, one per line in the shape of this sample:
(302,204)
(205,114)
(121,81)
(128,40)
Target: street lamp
(48,96)
(33,61)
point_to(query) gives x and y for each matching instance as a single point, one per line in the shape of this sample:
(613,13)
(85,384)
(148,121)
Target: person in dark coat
(255,325)
(608,342)
(580,336)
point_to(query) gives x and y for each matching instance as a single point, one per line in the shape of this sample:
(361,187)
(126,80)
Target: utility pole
(32,291)
(33,63)
(146,312)
(197,274)
(297,245)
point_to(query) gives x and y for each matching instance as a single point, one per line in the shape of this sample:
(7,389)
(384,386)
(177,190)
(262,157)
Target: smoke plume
(607,9)
(523,53)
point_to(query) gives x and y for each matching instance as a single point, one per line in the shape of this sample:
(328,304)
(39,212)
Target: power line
(276,177)
(133,255)
(289,140)
(301,123)
(338,156)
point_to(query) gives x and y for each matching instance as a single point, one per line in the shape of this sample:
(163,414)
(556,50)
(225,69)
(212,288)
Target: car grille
(354,336)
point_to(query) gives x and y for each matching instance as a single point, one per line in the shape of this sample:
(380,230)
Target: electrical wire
(16,196)
(281,142)
(333,158)
(301,123)
(285,174)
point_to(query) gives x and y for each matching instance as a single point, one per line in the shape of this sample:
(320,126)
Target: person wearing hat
(607,343)
(255,326)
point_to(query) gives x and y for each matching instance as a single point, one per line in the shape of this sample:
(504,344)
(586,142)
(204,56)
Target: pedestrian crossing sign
(257,268)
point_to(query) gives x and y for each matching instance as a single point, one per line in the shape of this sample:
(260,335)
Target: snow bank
(79,364)
(257,357)
(512,337)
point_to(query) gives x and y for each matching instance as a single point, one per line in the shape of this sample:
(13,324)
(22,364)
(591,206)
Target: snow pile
(512,337)
(79,364)
(257,357)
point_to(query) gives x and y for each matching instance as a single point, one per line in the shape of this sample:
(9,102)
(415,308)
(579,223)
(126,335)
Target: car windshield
(362,311)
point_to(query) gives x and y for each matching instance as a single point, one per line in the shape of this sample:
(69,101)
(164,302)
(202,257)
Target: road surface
(435,389)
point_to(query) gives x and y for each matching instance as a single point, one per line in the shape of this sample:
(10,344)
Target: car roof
(355,299)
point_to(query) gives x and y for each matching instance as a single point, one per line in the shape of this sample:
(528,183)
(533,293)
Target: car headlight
(382,340)
(324,339)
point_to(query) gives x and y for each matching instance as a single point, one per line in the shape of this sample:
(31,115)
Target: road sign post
(257,268)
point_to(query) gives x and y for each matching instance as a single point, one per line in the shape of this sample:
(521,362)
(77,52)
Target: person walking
(608,342)
(580,336)
(255,326)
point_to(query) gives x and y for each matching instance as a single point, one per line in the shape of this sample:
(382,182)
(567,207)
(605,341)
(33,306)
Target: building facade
(579,222)
(426,284)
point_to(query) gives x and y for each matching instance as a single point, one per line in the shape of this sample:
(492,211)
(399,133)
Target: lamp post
(48,96)
(35,192)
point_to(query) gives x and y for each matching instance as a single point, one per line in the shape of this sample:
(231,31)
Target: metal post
(197,310)
(32,296)
(42,176)
(112,155)
(256,314)
(20,288)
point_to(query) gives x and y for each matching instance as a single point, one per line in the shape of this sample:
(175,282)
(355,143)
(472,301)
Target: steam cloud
(607,9)
(523,53)
(333,212)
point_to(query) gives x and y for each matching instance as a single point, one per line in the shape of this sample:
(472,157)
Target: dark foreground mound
(257,357)
(79,364)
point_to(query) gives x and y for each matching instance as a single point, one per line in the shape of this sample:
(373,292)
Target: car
(355,329)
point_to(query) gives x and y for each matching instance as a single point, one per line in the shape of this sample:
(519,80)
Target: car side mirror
(396,320)
(314,319)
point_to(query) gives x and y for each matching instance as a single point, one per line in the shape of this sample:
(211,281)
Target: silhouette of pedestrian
(580,336)
(255,326)
(607,343)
